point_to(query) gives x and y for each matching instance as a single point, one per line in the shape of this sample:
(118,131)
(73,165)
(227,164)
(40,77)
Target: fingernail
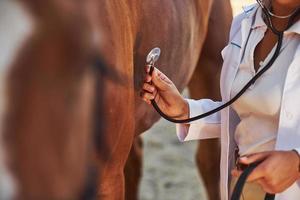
(243,157)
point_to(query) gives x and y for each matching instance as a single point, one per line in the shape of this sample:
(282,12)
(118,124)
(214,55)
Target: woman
(261,125)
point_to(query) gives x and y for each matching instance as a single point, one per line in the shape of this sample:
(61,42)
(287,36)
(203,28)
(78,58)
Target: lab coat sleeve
(298,149)
(208,127)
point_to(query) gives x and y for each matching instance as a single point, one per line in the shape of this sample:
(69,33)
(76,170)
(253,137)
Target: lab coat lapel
(241,39)
(230,68)
(232,55)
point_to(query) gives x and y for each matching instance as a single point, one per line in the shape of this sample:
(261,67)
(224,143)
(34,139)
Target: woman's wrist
(185,110)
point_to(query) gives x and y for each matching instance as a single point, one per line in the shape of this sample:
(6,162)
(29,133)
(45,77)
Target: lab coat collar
(255,12)
(259,21)
(249,11)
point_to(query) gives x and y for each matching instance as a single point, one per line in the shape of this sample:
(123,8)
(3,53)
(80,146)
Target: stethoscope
(154,55)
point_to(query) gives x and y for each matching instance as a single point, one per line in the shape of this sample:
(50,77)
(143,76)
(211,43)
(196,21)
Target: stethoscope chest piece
(153,56)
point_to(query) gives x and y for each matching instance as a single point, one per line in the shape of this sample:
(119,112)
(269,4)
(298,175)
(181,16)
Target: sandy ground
(170,172)
(169,168)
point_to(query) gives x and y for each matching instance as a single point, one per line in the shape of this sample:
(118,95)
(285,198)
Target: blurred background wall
(238,4)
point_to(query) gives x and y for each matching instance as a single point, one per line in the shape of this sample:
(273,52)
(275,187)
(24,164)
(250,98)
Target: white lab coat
(223,123)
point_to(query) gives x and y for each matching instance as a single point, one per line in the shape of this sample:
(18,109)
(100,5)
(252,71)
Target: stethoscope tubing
(249,83)
(231,101)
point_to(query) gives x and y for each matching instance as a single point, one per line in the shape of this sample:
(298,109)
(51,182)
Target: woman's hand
(278,171)
(165,94)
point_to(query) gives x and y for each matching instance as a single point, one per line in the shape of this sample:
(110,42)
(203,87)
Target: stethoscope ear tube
(238,95)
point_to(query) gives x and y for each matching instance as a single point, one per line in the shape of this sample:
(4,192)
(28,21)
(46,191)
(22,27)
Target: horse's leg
(205,83)
(113,157)
(119,129)
(133,169)
(112,17)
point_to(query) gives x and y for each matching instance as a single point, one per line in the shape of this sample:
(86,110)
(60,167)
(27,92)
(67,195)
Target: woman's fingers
(277,171)
(155,85)
(149,88)
(265,186)
(147,96)
(257,173)
(261,181)
(236,172)
(149,91)
(148,78)
(161,81)
(147,69)
(254,157)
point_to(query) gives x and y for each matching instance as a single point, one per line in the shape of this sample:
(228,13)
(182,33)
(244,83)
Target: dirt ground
(170,172)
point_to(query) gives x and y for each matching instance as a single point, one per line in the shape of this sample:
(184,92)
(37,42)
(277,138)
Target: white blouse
(259,107)
(223,124)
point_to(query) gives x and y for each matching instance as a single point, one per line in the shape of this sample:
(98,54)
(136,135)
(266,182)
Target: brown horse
(47,98)
(204,83)
(50,84)
(180,29)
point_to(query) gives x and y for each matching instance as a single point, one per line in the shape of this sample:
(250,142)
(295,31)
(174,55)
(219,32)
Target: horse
(50,70)
(203,83)
(51,86)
